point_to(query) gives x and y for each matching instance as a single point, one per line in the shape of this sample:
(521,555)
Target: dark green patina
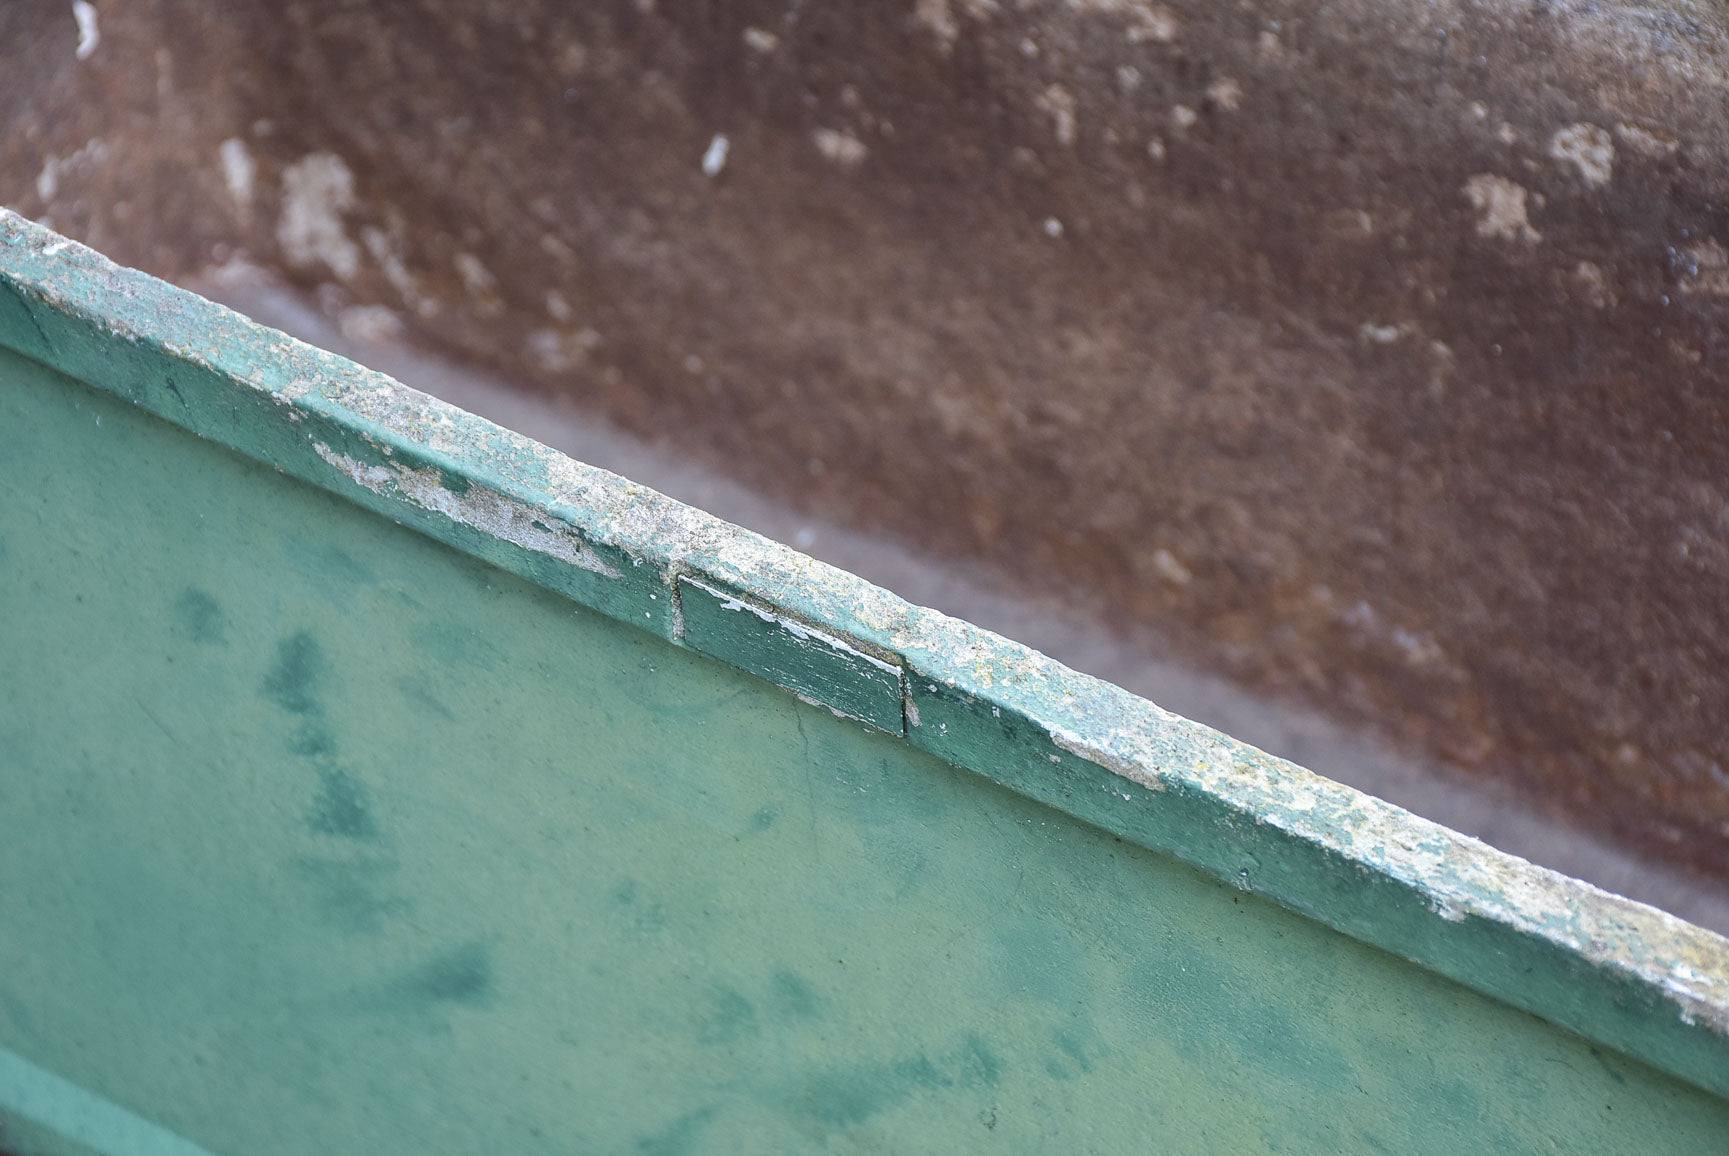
(318,835)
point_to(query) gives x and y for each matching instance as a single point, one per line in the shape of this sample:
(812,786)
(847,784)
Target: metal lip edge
(1458,877)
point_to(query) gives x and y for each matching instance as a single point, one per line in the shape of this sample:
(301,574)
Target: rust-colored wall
(1371,351)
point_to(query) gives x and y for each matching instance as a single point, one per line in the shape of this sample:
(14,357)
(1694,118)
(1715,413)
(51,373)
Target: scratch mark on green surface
(151,715)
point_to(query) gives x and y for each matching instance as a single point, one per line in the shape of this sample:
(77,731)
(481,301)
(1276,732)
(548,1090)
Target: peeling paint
(481,509)
(1500,205)
(1589,149)
(797,629)
(316,191)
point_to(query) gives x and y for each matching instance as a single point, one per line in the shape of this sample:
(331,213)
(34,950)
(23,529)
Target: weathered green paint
(291,793)
(809,662)
(319,836)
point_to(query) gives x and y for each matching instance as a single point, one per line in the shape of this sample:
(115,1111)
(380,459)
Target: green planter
(373,779)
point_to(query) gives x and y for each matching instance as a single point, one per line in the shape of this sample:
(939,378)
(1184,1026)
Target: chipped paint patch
(799,630)
(476,507)
(1589,149)
(316,191)
(814,664)
(1500,205)
(1100,756)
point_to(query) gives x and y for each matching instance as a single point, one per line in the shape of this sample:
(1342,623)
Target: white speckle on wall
(1500,206)
(1141,21)
(48,180)
(1588,148)
(476,277)
(1226,93)
(1645,142)
(316,190)
(1371,334)
(842,148)
(761,40)
(1060,103)
(89,36)
(238,170)
(714,160)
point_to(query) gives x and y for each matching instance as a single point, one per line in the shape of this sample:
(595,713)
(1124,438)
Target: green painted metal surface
(318,834)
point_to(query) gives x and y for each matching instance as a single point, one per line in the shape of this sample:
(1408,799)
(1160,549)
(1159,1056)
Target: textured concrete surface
(1078,634)
(1369,353)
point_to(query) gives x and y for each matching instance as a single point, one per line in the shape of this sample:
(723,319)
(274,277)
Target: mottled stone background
(1369,352)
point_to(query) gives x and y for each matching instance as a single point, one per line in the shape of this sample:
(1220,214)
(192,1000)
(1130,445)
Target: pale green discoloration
(1611,969)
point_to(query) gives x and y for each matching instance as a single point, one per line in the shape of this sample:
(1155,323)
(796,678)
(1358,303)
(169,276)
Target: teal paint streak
(627,898)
